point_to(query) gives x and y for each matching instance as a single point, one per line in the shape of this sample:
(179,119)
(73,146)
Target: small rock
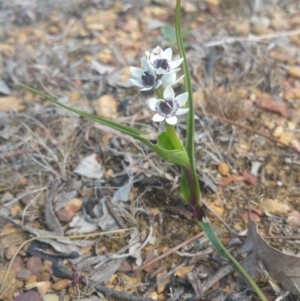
(274,206)
(223,169)
(31,279)
(182,272)
(51,297)
(269,124)
(106,107)
(29,296)
(74,205)
(11,251)
(61,284)
(34,264)
(23,275)
(217,207)
(294,71)
(162,284)
(278,131)
(64,215)
(43,276)
(286,137)
(17,264)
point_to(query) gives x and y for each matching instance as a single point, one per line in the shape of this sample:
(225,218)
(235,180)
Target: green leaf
(162,149)
(169,33)
(185,188)
(209,232)
(164,141)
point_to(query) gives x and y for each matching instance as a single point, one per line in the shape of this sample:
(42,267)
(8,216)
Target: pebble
(23,275)
(223,169)
(278,131)
(34,264)
(51,297)
(61,284)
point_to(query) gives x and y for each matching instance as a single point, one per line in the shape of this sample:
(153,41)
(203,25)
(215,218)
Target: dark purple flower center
(162,63)
(148,79)
(166,107)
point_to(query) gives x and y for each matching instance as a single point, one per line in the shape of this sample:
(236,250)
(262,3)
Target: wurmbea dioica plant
(158,72)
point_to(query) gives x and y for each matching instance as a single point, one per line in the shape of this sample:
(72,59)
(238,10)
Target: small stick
(170,251)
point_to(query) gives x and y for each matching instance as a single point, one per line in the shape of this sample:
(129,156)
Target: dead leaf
(255,215)
(42,286)
(89,167)
(103,272)
(9,287)
(50,217)
(281,267)
(11,104)
(275,107)
(180,210)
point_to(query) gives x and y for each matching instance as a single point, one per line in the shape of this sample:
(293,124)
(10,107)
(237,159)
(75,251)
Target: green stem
(190,144)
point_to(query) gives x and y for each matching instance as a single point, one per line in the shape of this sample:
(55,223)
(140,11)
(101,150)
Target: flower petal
(144,63)
(137,82)
(175,64)
(168,79)
(168,54)
(136,72)
(179,79)
(158,117)
(152,102)
(146,89)
(158,84)
(171,120)
(181,111)
(182,98)
(169,93)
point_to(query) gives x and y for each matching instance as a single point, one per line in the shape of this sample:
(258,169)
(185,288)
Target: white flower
(169,107)
(145,77)
(162,62)
(170,79)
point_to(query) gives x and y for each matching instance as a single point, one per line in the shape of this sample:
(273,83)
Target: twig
(110,293)
(170,251)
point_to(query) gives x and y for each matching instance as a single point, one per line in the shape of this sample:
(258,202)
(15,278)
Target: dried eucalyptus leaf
(281,267)
(105,271)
